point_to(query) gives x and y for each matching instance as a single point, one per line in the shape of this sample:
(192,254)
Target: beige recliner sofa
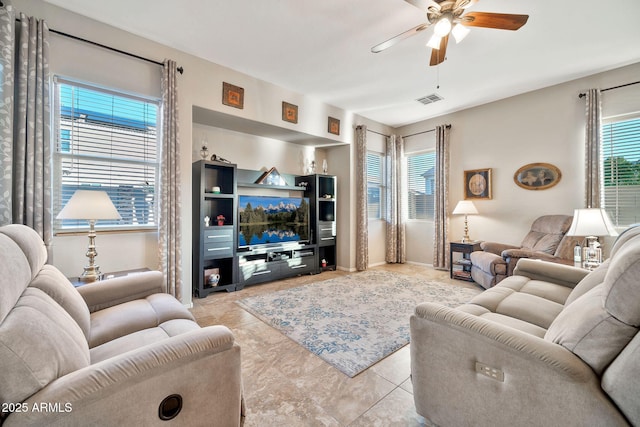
(550,345)
(112,353)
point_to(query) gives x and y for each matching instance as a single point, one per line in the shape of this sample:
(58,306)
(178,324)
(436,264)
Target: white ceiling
(321,48)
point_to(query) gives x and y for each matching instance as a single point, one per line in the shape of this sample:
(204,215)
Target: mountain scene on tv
(265,220)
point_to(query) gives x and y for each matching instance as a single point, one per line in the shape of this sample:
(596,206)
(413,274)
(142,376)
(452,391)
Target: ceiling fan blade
(438,55)
(423,5)
(499,21)
(387,44)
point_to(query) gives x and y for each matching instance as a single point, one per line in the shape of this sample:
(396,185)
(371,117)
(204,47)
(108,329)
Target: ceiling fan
(449,17)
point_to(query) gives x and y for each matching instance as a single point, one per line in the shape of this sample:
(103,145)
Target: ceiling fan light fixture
(443,26)
(434,42)
(460,32)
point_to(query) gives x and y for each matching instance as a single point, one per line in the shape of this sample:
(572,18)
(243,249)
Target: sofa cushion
(30,244)
(622,283)
(15,274)
(141,338)
(57,286)
(548,243)
(530,301)
(585,328)
(53,346)
(133,316)
(589,282)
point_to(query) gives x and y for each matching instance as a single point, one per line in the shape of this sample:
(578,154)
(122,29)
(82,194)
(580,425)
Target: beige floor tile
(285,385)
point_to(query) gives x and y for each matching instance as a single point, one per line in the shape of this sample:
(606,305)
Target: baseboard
(348,270)
(422,264)
(377,264)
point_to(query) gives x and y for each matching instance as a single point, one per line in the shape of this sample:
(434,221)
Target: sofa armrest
(541,381)
(495,247)
(560,274)
(202,366)
(110,292)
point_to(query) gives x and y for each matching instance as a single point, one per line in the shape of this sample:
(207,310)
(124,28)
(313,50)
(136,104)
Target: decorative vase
(204,152)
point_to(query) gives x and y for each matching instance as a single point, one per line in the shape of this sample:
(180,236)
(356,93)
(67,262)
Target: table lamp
(465,207)
(591,223)
(91,205)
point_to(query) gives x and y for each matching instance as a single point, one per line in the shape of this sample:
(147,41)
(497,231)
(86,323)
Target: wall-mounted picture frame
(334,126)
(289,112)
(232,95)
(537,176)
(477,184)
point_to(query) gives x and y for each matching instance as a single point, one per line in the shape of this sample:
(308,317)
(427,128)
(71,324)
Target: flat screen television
(268,220)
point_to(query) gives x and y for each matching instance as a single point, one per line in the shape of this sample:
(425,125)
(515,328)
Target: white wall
(546,125)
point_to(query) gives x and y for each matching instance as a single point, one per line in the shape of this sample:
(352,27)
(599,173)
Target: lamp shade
(89,205)
(465,207)
(591,222)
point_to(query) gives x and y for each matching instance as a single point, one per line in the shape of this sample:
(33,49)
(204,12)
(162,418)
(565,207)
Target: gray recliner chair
(111,353)
(547,240)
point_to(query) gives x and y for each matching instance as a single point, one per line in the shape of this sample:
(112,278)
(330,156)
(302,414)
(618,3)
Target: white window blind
(421,180)
(106,140)
(374,185)
(621,166)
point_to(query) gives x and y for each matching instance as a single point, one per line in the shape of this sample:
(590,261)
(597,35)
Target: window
(105,140)
(621,166)
(421,185)
(374,185)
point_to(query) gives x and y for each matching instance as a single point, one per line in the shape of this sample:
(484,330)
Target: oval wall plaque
(537,176)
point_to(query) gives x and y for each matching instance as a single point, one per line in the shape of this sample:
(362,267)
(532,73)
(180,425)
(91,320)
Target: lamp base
(90,274)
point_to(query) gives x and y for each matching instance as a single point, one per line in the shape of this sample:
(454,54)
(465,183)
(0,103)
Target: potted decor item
(220,219)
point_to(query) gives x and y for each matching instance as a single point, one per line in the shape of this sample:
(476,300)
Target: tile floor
(285,385)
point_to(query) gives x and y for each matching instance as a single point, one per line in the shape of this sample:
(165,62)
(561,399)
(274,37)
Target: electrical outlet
(489,371)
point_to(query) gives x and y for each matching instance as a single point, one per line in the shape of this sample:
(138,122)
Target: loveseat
(546,240)
(550,345)
(116,352)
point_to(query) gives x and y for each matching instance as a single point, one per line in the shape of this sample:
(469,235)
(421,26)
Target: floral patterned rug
(356,320)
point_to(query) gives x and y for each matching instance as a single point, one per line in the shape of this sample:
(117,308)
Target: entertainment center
(267,230)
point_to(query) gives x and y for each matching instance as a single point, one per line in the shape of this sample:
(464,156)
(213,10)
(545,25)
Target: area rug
(355,320)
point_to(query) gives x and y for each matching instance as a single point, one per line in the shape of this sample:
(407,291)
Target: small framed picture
(289,112)
(477,184)
(232,96)
(537,176)
(334,126)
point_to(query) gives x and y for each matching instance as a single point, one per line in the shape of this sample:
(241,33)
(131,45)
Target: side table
(75,281)
(461,268)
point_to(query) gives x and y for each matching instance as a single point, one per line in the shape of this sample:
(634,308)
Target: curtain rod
(378,133)
(582,95)
(113,49)
(425,131)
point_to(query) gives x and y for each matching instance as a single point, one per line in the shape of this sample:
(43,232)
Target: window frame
(407,155)
(60,138)
(605,122)
(376,185)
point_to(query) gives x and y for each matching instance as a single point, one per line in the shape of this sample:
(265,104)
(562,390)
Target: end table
(461,268)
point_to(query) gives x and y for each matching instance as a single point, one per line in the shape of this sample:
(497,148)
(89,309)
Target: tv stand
(267,263)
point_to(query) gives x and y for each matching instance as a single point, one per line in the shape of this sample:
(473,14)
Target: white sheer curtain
(362,221)
(441,216)
(169,206)
(396,189)
(25,156)
(593,149)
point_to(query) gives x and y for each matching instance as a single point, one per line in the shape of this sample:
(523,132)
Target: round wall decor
(537,176)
